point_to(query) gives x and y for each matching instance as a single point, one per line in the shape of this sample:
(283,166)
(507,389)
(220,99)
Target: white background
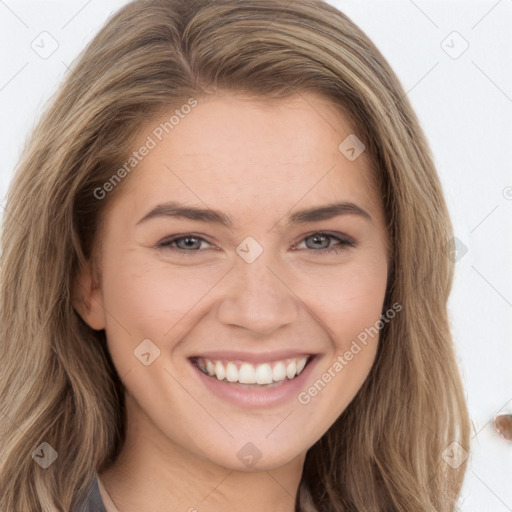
(465,107)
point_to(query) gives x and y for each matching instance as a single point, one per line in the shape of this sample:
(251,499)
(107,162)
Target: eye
(320,238)
(191,243)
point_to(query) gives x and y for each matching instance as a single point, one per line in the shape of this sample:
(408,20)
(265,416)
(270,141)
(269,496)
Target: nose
(257,297)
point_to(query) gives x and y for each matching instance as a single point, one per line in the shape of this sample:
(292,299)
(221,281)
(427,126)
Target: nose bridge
(260,279)
(257,297)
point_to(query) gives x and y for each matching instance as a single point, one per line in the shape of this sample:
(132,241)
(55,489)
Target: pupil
(189,241)
(318,238)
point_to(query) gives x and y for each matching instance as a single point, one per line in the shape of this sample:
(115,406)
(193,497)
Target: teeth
(263,374)
(247,373)
(231,372)
(291,370)
(220,372)
(279,372)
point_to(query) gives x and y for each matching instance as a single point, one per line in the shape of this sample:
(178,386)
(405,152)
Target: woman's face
(251,298)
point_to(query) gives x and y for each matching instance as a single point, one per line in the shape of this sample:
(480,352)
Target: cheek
(348,299)
(147,299)
(350,306)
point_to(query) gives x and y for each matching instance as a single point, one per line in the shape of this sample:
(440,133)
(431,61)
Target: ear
(88,299)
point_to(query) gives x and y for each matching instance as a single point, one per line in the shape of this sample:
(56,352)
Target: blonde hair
(58,384)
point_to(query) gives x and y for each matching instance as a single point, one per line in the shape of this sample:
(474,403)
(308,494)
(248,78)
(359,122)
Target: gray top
(92,501)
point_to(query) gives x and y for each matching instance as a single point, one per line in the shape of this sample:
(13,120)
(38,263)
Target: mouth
(246,374)
(254,381)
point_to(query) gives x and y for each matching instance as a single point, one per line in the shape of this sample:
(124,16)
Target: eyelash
(344,242)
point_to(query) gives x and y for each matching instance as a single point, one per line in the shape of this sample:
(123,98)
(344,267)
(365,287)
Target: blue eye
(342,244)
(192,243)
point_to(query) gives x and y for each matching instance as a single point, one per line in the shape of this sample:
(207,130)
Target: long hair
(58,384)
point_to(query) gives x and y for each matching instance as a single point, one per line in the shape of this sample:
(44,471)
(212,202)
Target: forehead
(231,148)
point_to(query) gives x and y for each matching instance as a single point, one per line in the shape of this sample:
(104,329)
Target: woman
(248,369)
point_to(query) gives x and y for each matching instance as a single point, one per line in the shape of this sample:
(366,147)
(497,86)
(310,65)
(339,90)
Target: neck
(142,489)
(146,477)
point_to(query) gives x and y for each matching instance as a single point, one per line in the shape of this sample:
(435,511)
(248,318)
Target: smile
(244,372)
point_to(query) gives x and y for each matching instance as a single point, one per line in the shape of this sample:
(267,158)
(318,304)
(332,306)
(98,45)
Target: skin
(258,162)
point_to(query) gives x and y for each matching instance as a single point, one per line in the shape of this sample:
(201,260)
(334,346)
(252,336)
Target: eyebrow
(314,214)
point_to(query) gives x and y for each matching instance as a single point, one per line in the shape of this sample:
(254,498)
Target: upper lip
(264,357)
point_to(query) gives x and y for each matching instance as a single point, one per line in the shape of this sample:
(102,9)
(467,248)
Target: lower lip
(258,397)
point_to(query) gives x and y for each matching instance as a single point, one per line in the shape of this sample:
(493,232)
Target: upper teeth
(247,373)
